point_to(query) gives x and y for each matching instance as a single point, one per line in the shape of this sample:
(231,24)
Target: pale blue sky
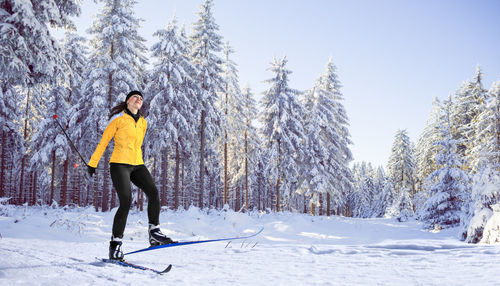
(393,56)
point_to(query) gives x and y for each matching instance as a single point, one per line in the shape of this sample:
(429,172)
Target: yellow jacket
(128,141)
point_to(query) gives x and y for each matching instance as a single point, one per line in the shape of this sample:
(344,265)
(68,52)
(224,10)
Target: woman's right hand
(90,170)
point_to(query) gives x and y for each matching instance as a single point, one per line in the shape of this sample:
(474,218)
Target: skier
(128,128)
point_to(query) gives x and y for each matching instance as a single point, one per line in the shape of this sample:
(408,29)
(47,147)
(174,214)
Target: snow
(491,232)
(43,246)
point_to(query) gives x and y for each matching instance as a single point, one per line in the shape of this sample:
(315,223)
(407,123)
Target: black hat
(133,92)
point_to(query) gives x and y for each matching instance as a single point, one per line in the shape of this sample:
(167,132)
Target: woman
(126,165)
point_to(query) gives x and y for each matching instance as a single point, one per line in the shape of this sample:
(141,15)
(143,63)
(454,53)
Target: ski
(193,242)
(140,267)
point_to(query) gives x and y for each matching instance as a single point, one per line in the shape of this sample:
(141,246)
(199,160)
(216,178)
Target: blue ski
(193,242)
(128,264)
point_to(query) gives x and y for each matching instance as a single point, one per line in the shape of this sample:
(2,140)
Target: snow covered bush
(6,209)
(76,220)
(419,200)
(478,211)
(404,206)
(476,226)
(491,233)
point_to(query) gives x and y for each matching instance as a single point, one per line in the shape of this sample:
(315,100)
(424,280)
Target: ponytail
(119,108)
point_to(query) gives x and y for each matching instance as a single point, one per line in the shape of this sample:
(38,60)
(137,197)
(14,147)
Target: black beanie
(132,93)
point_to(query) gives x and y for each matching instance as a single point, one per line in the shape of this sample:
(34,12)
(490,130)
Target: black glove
(90,170)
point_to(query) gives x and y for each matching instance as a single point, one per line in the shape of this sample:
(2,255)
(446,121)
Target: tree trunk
(12,187)
(402,180)
(87,196)
(34,189)
(96,192)
(312,207)
(52,180)
(211,197)
(226,183)
(328,210)
(260,205)
(202,159)
(226,180)
(164,178)
(155,175)
(320,207)
(237,199)
(96,182)
(105,185)
(183,195)
(112,195)
(64,185)
(246,169)
(114,198)
(78,192)
(140,196)
(176,176)
(278,178)
(2,166)
(21,180)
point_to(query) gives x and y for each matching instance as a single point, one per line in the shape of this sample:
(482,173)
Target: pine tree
(233,125)
(53,145)
(366,193)
(12,140)
(426,151)
(405,205)
(262,190)
(29,55)
(115,67)
(332,85)
(283,132)
(470,99)
(383,197)
(206,42)
(328,139)
(401,168)
(75,52)
(486,181)
(387,198)
(486,149)
(316,179)
(251,145)
(363,198)
(401,163)
(172,111)
(442,209)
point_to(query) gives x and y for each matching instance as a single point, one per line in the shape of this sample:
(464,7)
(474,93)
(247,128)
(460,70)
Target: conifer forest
(210,143)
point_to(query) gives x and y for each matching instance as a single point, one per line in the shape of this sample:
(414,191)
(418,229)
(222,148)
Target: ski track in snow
(44,248)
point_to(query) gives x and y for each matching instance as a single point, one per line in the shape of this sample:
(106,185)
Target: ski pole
(73,145)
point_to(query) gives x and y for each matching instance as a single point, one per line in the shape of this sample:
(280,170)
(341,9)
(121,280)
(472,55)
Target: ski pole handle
(73,145)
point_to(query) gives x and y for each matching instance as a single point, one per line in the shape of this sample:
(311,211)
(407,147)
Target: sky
(393,57)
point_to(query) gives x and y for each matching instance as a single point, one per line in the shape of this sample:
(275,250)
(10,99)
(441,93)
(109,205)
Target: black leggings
(122,175)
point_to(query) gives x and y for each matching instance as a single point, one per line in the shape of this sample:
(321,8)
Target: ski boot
(115,248)
(156,237)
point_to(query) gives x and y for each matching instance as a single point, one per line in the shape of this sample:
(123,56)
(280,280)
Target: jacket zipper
(135,159)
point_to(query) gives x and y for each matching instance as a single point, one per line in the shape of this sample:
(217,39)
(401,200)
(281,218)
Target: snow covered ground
(55,247)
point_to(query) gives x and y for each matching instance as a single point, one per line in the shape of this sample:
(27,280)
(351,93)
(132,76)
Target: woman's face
(135,102)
